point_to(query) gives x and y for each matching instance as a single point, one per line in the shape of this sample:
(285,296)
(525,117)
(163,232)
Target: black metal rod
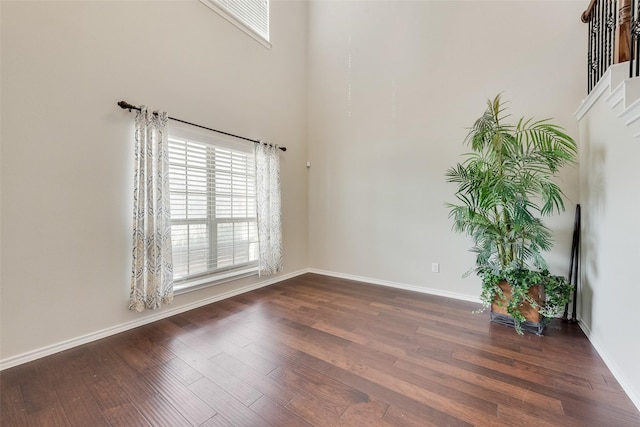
(609,35)
(605,29)
(573,266)
(599,37)
(616,43)
(634,31)
(574,318)
(603,34)
(126,106)
(590,58)
(631,38)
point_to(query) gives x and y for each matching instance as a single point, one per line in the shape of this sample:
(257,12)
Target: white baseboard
(94,336)
(414,288)
(627,386)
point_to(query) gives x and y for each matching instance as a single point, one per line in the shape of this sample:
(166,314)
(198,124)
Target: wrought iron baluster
(614,27)
(611,26)
(590,57)
(605,35)
(633,39)
(600,37)
(595,57)
(635,34)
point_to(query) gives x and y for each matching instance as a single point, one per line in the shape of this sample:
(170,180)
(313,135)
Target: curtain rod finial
(125,105)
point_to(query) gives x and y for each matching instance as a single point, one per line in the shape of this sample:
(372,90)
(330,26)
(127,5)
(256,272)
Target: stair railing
(609,23)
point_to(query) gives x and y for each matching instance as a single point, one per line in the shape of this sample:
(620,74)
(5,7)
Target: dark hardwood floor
(321,351)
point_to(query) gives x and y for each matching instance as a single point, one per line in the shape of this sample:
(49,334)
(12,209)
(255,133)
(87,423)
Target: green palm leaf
(504,182)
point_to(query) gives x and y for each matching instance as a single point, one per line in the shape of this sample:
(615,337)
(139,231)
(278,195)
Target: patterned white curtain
(152,268)
(269,209)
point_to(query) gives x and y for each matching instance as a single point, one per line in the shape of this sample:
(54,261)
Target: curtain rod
(126,106)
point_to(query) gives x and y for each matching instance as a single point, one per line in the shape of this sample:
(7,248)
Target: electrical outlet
(435,267)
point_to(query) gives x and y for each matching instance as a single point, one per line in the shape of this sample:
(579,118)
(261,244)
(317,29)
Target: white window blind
(213,206)
(252,16)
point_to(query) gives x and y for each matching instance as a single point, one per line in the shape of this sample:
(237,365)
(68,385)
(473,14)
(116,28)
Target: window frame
(227,273)
(240,23)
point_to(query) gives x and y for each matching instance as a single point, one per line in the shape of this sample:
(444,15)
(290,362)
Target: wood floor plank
(464,406)
(192,408)
(404,403)
(76,364)
(226,405)
(531,416)
(180,369)
(106,391)
(125,416)
(110,364)
(217,421)
(263,383)
(277,414)
(500,392)
(321,351)
(332,395)
(562,364)
(50,417)
(12,408)
(160,413)
(365,414)
(250,359)
(316,412)
(79,406)
(36,392)
(232,384)
(399,417)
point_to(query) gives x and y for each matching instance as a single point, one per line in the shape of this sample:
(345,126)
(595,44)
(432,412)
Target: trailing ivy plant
(505,185)
(557,292)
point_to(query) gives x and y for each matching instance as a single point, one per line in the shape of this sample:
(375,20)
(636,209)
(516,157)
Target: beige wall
(393,87)
(380,133)
(67,149)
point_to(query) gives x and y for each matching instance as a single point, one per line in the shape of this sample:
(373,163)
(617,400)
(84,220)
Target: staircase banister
(586,15)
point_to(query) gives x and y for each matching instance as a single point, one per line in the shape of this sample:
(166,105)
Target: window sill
(213,280)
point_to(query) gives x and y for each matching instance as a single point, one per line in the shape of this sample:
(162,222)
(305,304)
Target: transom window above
(251,16)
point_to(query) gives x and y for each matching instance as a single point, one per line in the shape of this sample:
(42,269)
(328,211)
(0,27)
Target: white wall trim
(626,385)
(598,90)
(94,336)
(611,79)
(615,97)
(631,113)
(406,287)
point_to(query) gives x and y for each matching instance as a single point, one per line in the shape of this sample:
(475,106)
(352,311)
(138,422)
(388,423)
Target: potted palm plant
(504,186)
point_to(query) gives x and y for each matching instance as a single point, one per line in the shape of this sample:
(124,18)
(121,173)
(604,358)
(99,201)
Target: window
(251,16)
(213,207)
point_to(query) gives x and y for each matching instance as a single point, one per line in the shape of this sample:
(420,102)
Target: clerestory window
(251,16)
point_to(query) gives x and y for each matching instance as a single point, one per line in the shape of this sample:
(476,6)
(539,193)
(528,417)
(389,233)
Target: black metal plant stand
(527,326)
